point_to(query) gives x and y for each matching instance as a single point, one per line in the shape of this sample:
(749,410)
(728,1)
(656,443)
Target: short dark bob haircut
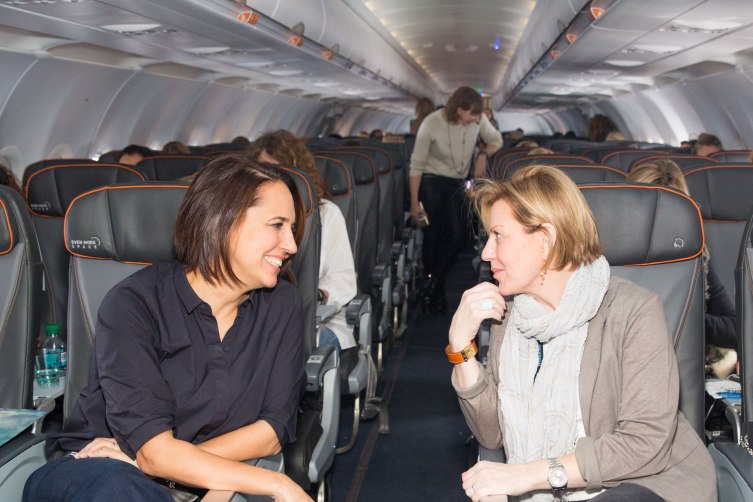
(465,98)
(214,207)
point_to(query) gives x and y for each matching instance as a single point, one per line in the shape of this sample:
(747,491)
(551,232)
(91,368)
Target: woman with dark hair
(197,364)
(581,388)
(439,165)
(599,128)
(8,178)
(337,273)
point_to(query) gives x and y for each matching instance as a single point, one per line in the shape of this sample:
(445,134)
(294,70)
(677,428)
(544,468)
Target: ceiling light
(624,62)
(353,92)
(327,84)
(284,72)
(131,27)
(248,16)
(657,48)
(207,50)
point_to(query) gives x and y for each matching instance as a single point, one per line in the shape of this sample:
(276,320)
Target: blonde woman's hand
(105,448)
(289,491)
(481,302)
(489,481)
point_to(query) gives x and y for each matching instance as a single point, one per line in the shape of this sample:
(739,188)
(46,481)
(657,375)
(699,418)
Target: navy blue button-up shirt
(158,364)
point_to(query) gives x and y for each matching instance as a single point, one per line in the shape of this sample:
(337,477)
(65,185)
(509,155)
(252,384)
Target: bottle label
(63,360)
(51,360)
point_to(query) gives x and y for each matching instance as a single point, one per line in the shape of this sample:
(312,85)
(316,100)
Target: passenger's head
(284,147)
(537,220)
(706,145)
(615,136)
(176,147)
(526,143)
(240,141)
(133,154)
(239,223)
(7,177)
(688,145)
(599,128)
(376,133)
(424,106)
(464,106)
(659,172)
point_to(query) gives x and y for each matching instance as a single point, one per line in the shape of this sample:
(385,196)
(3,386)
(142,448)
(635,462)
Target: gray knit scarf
(541,416)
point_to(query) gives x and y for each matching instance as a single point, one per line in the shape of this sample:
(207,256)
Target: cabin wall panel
(147,111)
(56,107)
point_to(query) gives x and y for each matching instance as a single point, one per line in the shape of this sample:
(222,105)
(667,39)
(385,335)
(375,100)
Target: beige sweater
(445,149)
(629,393)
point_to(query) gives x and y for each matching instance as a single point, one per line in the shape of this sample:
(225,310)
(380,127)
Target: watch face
(558,477)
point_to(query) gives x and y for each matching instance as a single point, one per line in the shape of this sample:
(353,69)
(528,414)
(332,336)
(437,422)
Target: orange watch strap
(462,356)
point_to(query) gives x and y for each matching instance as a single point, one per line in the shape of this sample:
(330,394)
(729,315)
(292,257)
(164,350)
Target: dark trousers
(628,492)
(443,199)
(72,480)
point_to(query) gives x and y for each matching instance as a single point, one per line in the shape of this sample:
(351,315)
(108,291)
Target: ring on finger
(485,304)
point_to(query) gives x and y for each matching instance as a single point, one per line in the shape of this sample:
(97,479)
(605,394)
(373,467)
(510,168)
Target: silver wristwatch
(557,479)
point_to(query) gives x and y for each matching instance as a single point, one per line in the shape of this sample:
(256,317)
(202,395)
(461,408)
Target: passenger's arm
(641,443)
(166,457)
(418,164)
(252,441)
(337,273)
(414,183)
(490,135)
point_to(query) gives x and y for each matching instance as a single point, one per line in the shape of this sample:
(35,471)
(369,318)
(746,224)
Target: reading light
(596,12)
(296,40)
(571,37)
(248,16)
(328,55)
(554,53)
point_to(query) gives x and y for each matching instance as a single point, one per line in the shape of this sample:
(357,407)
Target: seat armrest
(322,359)
(380,273)
(325,312)
(396,250)
(356,308)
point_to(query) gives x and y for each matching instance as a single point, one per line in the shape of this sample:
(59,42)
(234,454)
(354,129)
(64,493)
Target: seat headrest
(722,191)
(170,167)
(8,228)
(127,223)
(305,185)
(336,176)
(49,191)
(645,224)
(363,168)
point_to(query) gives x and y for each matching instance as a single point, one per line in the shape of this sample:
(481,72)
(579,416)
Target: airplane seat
(357,369)
(684,162)
(596,151)
(170,167)
(133,225)
(549,160)
(734,461)
(49,191)
(495,164)
(111,157)
(625,159)
(723,193)
(584,173)
(41,164)
(737,156)
(309,458)
(21,305)
(659,247)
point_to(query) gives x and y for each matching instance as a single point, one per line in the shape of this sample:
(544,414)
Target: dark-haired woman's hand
(482,301)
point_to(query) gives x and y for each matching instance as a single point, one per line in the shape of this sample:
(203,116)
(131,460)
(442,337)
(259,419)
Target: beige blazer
(629,392)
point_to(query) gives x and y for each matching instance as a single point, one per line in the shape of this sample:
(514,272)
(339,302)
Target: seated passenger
(706,144)
(719,317)
(133,154)
(540,150)
(197,364)
(241,142)
(8,178)
(376,133)
(599,128)
(604,419)
(424,106)
(337,273)
(176,148)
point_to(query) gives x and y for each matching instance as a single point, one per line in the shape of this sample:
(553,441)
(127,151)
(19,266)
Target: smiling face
(264,238)
(516,256)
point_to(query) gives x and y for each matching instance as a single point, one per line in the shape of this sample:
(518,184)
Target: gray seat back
(170,167)
(624,159)
(738,156)
(21,300)
(548,160)
(653,236)
(585,173)
(41,164)
(111,232)
(684,162)
(723,193)
(367,213)
(338,179)
(744,317)
(49,191)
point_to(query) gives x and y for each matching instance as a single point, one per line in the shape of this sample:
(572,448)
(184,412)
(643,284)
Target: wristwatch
(557,479)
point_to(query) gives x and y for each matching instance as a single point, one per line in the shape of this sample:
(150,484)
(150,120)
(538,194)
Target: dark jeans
(443,199)
(69,479)
(628,492)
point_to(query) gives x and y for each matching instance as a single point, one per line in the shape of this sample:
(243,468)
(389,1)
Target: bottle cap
(52,329)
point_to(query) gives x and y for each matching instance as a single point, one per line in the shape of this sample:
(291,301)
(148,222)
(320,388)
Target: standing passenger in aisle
(197,364)
(438,167)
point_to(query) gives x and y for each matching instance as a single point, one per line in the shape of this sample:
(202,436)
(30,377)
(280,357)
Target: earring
(542,275)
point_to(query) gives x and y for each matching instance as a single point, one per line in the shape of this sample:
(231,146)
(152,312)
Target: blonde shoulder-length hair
(541,194)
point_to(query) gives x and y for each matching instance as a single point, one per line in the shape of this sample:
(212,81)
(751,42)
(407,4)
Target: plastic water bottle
(54,350)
